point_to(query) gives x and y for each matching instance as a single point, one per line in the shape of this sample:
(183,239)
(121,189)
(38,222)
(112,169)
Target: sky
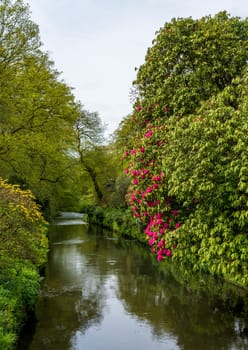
(96,44)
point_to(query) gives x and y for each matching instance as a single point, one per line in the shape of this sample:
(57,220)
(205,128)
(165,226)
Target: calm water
(105,293)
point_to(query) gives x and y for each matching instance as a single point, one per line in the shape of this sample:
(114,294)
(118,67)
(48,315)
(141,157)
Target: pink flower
(160,244)
(159,257)
(156,178)
(155,235)
(166,226)
(149,189)
(141,149)
(148,134)
(151,241)
(135,172)
(175,212)
(169,254)
(135,182)
(178,225)
(126,170)
(133,151)
(138,108)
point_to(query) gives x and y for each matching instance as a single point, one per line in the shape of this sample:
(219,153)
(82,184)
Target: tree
(190,125)
(38,111)
(191,60)
(89,136)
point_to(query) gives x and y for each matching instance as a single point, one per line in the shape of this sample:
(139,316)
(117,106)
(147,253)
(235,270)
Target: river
(106,293)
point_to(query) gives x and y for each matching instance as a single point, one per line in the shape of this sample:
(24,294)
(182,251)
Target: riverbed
(101,292)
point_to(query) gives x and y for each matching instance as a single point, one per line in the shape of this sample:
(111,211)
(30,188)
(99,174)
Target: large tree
(38,110)
(187,158)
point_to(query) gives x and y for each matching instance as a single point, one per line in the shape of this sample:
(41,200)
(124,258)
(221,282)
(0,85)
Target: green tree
(38,111)
(191,60)
(89,136)
(190,121)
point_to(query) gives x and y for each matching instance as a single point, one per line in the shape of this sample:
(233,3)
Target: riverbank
(228,294)
(23,252)
(104,292)
(19,287)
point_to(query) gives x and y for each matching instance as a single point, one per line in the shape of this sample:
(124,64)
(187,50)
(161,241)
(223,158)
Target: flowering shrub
(22,227)
(147,195)
(187,150)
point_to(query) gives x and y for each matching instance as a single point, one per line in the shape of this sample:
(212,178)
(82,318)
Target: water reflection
(105,293)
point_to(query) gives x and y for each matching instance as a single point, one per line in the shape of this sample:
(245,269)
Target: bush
(23,250)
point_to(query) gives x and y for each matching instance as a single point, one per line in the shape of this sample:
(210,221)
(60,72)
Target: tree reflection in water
(103,292)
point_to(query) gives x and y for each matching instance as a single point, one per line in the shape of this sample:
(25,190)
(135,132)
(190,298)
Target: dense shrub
(187,155)
(23,249)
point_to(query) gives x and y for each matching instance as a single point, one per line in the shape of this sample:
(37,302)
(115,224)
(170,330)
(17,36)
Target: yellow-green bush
(23,249)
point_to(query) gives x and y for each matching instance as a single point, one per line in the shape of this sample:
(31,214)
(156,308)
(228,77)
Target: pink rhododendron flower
(142,149)
(126,170)
(156,178)
(159,257)
(178,225)
(175,212)
(148,134)
(133,151)
(151,241)
(135,182)
(155,236)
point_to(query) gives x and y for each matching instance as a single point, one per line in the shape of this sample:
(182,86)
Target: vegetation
(184,188)
(187,154)
(23,249)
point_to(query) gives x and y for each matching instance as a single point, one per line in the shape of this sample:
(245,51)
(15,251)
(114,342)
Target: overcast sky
(96,44)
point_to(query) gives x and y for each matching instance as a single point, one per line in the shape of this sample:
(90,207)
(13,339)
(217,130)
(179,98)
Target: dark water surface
(103,293)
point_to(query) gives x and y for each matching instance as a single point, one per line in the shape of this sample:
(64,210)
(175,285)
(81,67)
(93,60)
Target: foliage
(21,226)
(38,111)
(99,165)
(213,182)
(191,60)
(23,249)
(187,156)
